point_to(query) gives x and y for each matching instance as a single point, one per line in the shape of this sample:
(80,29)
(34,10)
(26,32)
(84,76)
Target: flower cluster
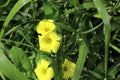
(44,71)
(49,41)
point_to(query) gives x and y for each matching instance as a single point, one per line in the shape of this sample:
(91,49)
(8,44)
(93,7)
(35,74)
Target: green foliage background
(90,31)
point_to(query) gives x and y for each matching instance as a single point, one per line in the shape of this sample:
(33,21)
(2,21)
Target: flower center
(47,29)
(44,71)
(65,68)
(48,40)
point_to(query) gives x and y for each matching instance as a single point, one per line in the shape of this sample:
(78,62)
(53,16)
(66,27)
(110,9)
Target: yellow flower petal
(68,68)
(45,27)
(50,20)
(45,63)
(50,72)
(49,42)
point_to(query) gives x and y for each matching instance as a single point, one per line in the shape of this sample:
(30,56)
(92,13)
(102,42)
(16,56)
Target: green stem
(17,42)
(90,30)
(104,15)
(5,4)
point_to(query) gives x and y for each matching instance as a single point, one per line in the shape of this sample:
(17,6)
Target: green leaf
(20,59)
(8,69)
(83,51)
(74,2)
(47,9)
(15,9)
(88,5)
(104,15)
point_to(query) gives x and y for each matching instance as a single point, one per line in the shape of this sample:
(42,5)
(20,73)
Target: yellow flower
(45,27)
(43,70)
(68,68)
(49,42)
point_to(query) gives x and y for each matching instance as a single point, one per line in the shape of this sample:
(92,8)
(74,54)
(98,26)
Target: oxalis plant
(59,40)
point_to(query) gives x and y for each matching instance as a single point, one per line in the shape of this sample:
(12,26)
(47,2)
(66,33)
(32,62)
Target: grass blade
(4,4)
(9,70)
(114,69)
(14,10)
(104,15)
(25,37)
(83,50)
(115,47)
(95,74)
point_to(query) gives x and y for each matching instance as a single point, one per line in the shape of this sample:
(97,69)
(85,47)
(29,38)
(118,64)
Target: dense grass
(90,38)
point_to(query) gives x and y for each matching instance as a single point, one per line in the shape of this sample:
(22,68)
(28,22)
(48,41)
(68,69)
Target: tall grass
(89,32)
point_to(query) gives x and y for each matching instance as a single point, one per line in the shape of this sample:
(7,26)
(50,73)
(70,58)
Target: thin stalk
(107,31)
